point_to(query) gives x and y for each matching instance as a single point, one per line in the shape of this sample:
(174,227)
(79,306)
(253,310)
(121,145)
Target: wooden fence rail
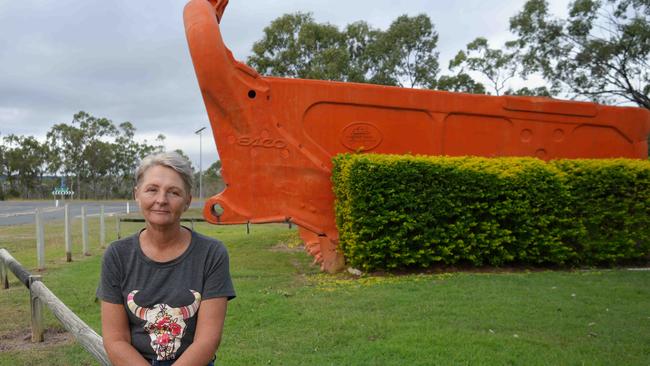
(40,294)
(7,262)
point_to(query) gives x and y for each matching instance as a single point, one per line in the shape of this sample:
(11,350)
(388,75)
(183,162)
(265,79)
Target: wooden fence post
(68,240)
(40,240)
(84,231)
(102,228)
(36,312)
(117,225)
(85,335)
(40,296)
(4,274)
(128,208)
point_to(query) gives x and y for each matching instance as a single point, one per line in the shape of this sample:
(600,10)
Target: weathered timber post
(128,208)
(102,228)
(40,240)
(36,311)
(40,295)
(117,225)
(4,274)
(84,231)
(68,240)
(85,335)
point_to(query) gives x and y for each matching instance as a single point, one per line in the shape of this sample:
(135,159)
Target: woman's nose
(161,197)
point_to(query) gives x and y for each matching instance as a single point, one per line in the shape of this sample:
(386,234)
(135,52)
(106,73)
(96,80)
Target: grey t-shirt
(162,298)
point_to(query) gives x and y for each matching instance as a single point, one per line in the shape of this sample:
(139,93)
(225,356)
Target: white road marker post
(84,231)
(102,228)
(40,240)
(68,240)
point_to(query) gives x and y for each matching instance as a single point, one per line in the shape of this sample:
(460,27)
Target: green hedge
(400,211)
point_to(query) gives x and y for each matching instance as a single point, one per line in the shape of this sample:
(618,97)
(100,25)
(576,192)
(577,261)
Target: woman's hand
(209,326)
(117,336)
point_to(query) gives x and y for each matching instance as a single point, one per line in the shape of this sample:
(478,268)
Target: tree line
(91,156)
(599,52)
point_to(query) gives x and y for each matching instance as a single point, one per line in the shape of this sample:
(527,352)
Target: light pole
(199,132)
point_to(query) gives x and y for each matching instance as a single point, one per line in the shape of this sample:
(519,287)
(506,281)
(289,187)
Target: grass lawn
(287,313)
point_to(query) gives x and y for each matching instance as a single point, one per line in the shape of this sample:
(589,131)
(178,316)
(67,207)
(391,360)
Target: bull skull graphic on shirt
(165,324)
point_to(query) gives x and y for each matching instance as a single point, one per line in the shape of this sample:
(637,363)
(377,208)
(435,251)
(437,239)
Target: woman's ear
(189,201)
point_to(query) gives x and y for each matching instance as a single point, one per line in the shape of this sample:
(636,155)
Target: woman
(164,290)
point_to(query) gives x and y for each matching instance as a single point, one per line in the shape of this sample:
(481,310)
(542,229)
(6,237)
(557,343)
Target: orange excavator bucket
(276,136)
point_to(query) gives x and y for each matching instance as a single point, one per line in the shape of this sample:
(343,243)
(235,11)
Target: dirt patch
(21,339)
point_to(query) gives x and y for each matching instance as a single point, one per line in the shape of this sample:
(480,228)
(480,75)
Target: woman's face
(161,196)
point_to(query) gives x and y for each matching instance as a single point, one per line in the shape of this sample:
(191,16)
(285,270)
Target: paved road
(22,212)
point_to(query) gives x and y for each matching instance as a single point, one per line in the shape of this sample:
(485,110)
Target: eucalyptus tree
(295,45)
(25,164)
(212,180)
(66,144)
(601,51)
(98,154)
(496,65)
(405,55)
(359,37)
(127,153)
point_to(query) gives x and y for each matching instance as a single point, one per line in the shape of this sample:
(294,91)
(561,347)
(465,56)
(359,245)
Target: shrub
(611,199)
(396,211)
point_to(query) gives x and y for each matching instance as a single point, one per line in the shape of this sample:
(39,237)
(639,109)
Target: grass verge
(287,313)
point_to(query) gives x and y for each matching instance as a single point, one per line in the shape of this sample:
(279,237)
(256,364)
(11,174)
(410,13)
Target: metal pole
(200,167)
(68,240)
(200,133)
(40,241)
(84,231)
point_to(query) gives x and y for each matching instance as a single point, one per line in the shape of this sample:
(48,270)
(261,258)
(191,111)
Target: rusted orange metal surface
(276,136)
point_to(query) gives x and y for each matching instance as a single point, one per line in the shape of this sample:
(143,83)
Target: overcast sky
(127,60)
